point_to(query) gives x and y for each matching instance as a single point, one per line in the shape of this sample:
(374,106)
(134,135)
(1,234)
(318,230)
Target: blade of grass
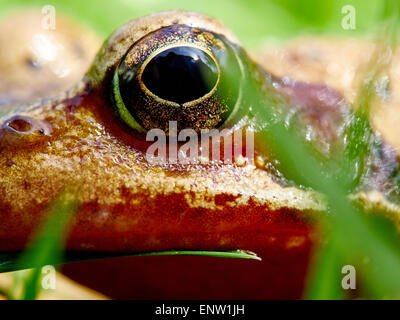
(327,271)
(10,261)
(48,244)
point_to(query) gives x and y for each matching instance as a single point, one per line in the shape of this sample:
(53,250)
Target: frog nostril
(21,131)
(20,125)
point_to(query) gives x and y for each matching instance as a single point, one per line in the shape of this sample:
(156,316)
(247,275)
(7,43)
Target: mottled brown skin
(126,204)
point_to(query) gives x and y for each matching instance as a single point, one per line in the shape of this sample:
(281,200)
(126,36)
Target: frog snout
(19,131)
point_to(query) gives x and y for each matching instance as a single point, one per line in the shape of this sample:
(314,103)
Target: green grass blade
(325,282)
(10,261)
(48,244)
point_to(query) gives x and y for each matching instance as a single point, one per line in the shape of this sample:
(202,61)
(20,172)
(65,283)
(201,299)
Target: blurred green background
(255,22)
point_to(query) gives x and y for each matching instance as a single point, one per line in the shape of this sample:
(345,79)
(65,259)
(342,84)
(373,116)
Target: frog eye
(181,74)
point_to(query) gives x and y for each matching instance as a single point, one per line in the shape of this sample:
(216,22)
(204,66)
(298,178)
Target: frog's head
(173,66)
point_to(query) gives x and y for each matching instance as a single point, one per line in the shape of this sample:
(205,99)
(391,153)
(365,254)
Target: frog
(92,138)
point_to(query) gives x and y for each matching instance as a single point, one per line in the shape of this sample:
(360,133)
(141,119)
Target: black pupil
(180,74)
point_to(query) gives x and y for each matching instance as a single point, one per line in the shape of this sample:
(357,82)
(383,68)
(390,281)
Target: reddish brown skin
(128,205)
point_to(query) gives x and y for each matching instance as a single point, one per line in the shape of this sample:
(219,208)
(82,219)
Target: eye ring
(179,73)
(178,45)
(120,108)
